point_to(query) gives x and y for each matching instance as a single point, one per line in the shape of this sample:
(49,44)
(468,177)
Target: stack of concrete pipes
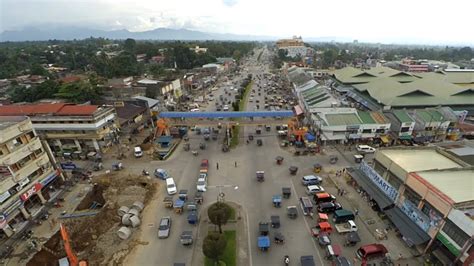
(130,218)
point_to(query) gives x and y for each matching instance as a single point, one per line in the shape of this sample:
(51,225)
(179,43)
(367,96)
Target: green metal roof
(366,117)
(343,119)
(402,116)
(429,115)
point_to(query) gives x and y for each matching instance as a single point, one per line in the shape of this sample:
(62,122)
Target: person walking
(217,166)
(235,163)
(356,212)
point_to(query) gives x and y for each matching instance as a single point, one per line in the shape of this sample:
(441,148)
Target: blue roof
(263,241)
(164,139)
(286,113)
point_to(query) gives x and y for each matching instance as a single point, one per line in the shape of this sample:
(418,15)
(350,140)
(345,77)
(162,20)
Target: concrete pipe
(135,221)
(124,232)
(133,211)
(126,219)
(138,205)
(123,210)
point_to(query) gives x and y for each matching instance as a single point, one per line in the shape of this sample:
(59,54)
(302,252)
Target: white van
(171,186)
(365,149)
(138,152)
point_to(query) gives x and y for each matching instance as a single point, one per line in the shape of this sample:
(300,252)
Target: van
(138,152)
(363,149)
(311,180)
(371,251)
(171,186)
(323,197)
(342,216)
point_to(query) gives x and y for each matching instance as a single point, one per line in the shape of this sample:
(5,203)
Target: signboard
(3,220)
(416,215)
(390,191)
(30,192)
(4,196)
(352,127)
(48,179)
(451,247)
(68,166)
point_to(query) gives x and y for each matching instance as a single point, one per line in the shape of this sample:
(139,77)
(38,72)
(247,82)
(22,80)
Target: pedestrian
(217,166)
(338,191)
(344,170)
(356,212)
(235,163)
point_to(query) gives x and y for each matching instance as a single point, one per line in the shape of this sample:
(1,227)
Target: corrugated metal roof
(366,117)
(402,116)
(342,119)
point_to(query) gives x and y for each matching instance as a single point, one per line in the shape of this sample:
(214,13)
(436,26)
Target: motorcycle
(145,172)
(286,260)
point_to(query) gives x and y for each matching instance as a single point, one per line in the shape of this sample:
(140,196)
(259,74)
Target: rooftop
(402,116)
(429,115)
(342,119)
(57,109)
(458,185)
(8,121)
(419,159)
(366,117)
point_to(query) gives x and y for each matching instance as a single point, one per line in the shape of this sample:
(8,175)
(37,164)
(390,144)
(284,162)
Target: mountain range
(71,33)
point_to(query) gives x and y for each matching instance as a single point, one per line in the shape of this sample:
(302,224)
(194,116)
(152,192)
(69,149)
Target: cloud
(229,3)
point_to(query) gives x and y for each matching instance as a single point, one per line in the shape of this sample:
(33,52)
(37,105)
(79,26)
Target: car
(161,173)
(363,149)
(171,186)
(311,180)
(329,207)
(312,189)
(194,110)
(186,238)
(251,99)
(307,260)
(164,227)
(201,184)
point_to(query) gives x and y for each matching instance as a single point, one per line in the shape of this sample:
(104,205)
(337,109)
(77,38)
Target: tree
(219,213)
(78,92)
(130,45)
(214,245)
(37,69)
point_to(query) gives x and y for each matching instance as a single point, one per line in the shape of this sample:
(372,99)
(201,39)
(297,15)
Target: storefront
(12,219)
(51,186)
(33,200)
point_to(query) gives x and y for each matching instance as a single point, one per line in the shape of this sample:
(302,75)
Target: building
(342,125)
(401,124)
(294,42)
(28,178)
(69,127)
(199,50)
(295,47)
(427,193)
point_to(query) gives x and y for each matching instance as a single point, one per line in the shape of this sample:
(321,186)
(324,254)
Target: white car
(365,149)
(251,99)
(201,184)
(312,189)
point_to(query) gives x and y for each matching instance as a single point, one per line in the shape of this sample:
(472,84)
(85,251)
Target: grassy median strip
(230,255)
(234,141)
(243,101)
(259,55)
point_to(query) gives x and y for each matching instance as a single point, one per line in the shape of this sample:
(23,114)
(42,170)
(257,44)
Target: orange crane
(73,261)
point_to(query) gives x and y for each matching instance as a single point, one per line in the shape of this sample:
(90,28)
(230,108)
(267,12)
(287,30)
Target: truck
(342,216)
(350,226)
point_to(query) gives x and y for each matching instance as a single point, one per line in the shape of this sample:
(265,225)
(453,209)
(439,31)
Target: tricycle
(202,146)
(279,238)
(168,201)
(263,228)
(198,199)
(323,227)
(276,199)
(275,220)
(263,243)
(187,146)
(195,153)
(260,176)
(279,160)
(117,166)
(317,167)
(333,159)
(293,170)
(286,191)
(178,206)
(292,212)
(186,238)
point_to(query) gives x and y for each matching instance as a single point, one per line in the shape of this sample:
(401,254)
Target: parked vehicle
(306,205)
(342,216)
(201,184)
(323,197)
(364,149)
(138,152)
(371,251)
(161,173)
(352,238)
(329,207)
(311,180)
(164,227)
(312,189)
(171,186)
(307,261)
(350,226)
(341,261)
(186,238)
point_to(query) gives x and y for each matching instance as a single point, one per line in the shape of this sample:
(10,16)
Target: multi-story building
(294,42)
(70,127)
(427,193)
(28,178)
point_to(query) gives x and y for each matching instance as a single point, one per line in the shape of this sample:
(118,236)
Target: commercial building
(294,42)
(295,47)
(427,193)
(70,127)
(27,177)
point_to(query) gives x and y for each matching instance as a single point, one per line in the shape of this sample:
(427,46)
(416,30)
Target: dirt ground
(94,238)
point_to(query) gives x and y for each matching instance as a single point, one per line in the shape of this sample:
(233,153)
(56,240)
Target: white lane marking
(307,227)
(248,239)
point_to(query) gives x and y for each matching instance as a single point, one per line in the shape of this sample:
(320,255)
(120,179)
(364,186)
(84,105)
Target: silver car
(164,228)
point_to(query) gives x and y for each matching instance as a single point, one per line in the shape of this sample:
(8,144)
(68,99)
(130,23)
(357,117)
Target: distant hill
(70,33)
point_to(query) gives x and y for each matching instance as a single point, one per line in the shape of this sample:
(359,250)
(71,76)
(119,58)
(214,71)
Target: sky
(423,21)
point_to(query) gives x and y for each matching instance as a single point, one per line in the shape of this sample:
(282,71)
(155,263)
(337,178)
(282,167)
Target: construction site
(93,233)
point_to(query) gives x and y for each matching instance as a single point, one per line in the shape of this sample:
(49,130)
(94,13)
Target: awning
(409,229)
(298,110)
(406,137)
(379,196)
